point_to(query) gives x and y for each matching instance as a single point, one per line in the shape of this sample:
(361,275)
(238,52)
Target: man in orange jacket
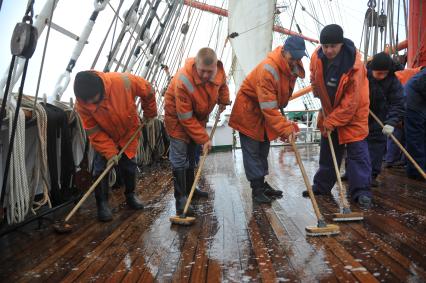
(256,112)
(106,105)
(339,79)
(191,96)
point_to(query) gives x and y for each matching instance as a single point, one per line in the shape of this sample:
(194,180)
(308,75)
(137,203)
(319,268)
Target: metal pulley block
(371,17)
(24,40)
(382,20)
(184,29)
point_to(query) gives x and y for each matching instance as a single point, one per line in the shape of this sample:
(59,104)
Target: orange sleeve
(143,89)
(100,140)
(312,69)
(224,94)
(185,113)
(266,91)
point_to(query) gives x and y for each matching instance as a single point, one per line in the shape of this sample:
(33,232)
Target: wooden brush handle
(342,189)
(400,147)
(99,179)
(307,183)
(200,167)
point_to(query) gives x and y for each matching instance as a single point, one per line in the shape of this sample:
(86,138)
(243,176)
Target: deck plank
(233,239)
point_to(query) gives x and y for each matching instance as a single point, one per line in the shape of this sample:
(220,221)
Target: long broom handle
(307,183)
(200,167)
(92,188)
(400,147)
(336,169)
(342,190)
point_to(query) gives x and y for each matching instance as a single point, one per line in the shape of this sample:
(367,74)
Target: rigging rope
(115,19)
(44,53)
(18,192)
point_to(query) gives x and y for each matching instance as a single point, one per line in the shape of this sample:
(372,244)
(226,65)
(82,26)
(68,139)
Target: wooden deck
(233,240)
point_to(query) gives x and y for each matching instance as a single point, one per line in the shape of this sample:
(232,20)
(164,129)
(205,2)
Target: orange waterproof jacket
(112,122)
(188,102)
(405,75)
(267,88)
(349,113)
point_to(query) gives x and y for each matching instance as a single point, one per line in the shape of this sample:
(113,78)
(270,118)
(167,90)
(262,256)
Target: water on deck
(232,240)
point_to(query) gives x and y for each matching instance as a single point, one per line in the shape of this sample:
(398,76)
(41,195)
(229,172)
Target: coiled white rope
(155,144)
(40,166)
(18,195)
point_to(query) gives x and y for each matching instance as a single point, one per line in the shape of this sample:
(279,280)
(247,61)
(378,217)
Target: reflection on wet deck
(233,240)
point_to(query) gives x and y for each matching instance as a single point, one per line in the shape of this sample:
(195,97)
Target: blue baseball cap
(296,46)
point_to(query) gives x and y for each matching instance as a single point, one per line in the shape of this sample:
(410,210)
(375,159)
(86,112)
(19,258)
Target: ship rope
(40,168)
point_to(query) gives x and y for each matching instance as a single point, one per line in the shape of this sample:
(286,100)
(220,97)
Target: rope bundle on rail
(151,143)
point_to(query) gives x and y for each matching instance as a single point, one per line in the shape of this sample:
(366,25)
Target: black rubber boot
(258,190)
(374,182)
(130,183)
(316,192)
(271,192)
(189,181)
(101,195)
(179,181)
(305,194)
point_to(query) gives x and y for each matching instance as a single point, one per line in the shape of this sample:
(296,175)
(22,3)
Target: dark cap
(87,85)
(296,46)
(381,62)
(331,34)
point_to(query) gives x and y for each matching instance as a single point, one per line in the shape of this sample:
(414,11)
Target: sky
(211,31)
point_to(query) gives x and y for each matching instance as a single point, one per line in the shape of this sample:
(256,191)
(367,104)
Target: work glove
(388,130)
(113,160)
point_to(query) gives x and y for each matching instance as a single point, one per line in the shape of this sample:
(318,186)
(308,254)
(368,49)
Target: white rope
(155,144)
(40,165)
(18,196)
(112,177)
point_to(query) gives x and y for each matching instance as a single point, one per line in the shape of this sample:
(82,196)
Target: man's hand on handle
(292,136)
(207,146)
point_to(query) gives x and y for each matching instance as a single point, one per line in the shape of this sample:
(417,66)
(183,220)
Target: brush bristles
(354,216)
(329,229)
(322,234)
(182,220)
(348,219)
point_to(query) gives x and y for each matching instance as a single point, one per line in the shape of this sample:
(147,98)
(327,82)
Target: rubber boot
(258,191)
(271,192)
(364,202)
(374,183)
(179,181)
(316,192)
(130,183)
(101,195)
(189,181)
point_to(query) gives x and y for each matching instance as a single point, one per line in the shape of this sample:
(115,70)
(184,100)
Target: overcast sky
(73,15)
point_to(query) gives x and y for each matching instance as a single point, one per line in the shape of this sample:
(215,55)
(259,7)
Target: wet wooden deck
(233,240)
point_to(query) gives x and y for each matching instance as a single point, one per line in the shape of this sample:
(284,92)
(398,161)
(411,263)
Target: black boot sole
(105,218)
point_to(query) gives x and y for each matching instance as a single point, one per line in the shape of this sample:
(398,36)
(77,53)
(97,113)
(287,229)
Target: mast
(417,34)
